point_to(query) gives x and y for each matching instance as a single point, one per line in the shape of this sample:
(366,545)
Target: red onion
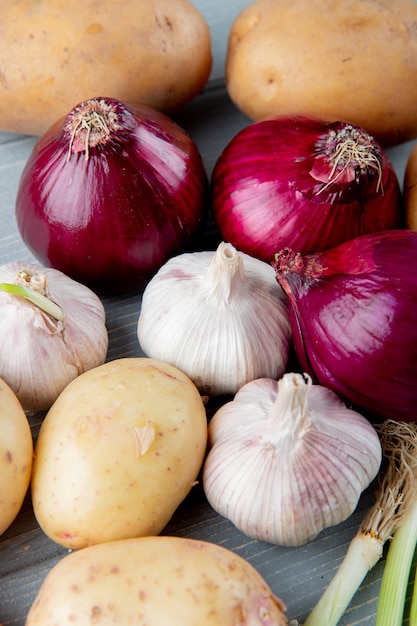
(295,182)
(110,192)
(353,316)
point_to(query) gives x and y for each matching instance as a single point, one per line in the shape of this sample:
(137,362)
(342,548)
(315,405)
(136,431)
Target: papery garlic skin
(40,355)
(217,316)
(288,459)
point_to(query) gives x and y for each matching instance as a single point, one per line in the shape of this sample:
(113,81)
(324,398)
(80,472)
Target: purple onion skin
(271,189)
(353,316)
(110,221)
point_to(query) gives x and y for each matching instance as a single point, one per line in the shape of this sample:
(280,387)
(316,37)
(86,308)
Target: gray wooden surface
(297,575)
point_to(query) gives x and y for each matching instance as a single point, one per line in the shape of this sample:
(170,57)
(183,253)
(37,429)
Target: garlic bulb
(288,459)
(51,330)
(219,316)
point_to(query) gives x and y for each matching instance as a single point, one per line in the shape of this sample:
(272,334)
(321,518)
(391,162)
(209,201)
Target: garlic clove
(288,459)
(217,316)
(40,355)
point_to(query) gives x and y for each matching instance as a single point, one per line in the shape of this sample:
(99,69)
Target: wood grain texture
(297,575)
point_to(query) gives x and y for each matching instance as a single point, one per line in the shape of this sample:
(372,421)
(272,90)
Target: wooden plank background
(297,575)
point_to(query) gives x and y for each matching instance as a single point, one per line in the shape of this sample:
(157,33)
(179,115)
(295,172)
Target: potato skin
(16,456)
(117,453)
(155,581)
(353,61)
(55,54)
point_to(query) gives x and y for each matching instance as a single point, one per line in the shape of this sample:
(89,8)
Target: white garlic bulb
(40,352)
(288,459)
(219,316)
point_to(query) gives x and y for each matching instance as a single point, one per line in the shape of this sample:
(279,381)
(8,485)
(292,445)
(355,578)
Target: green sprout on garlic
(32,287)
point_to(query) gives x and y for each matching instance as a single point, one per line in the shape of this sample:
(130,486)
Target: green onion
(413,608)
(395,499)
(41,301)
(395,578)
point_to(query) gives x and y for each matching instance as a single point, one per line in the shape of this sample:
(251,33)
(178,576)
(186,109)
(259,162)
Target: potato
(16,455)
(351,61)
(117,452)
(410,190)
(155,581)
(56,54)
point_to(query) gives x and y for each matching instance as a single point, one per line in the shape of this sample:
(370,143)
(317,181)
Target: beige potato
(117,452)
(353,61)
(155,581)
(16,455)
(56,54)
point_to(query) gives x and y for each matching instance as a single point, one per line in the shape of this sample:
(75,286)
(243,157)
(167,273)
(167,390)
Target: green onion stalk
(396,575)
(413,609)
(394,508)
